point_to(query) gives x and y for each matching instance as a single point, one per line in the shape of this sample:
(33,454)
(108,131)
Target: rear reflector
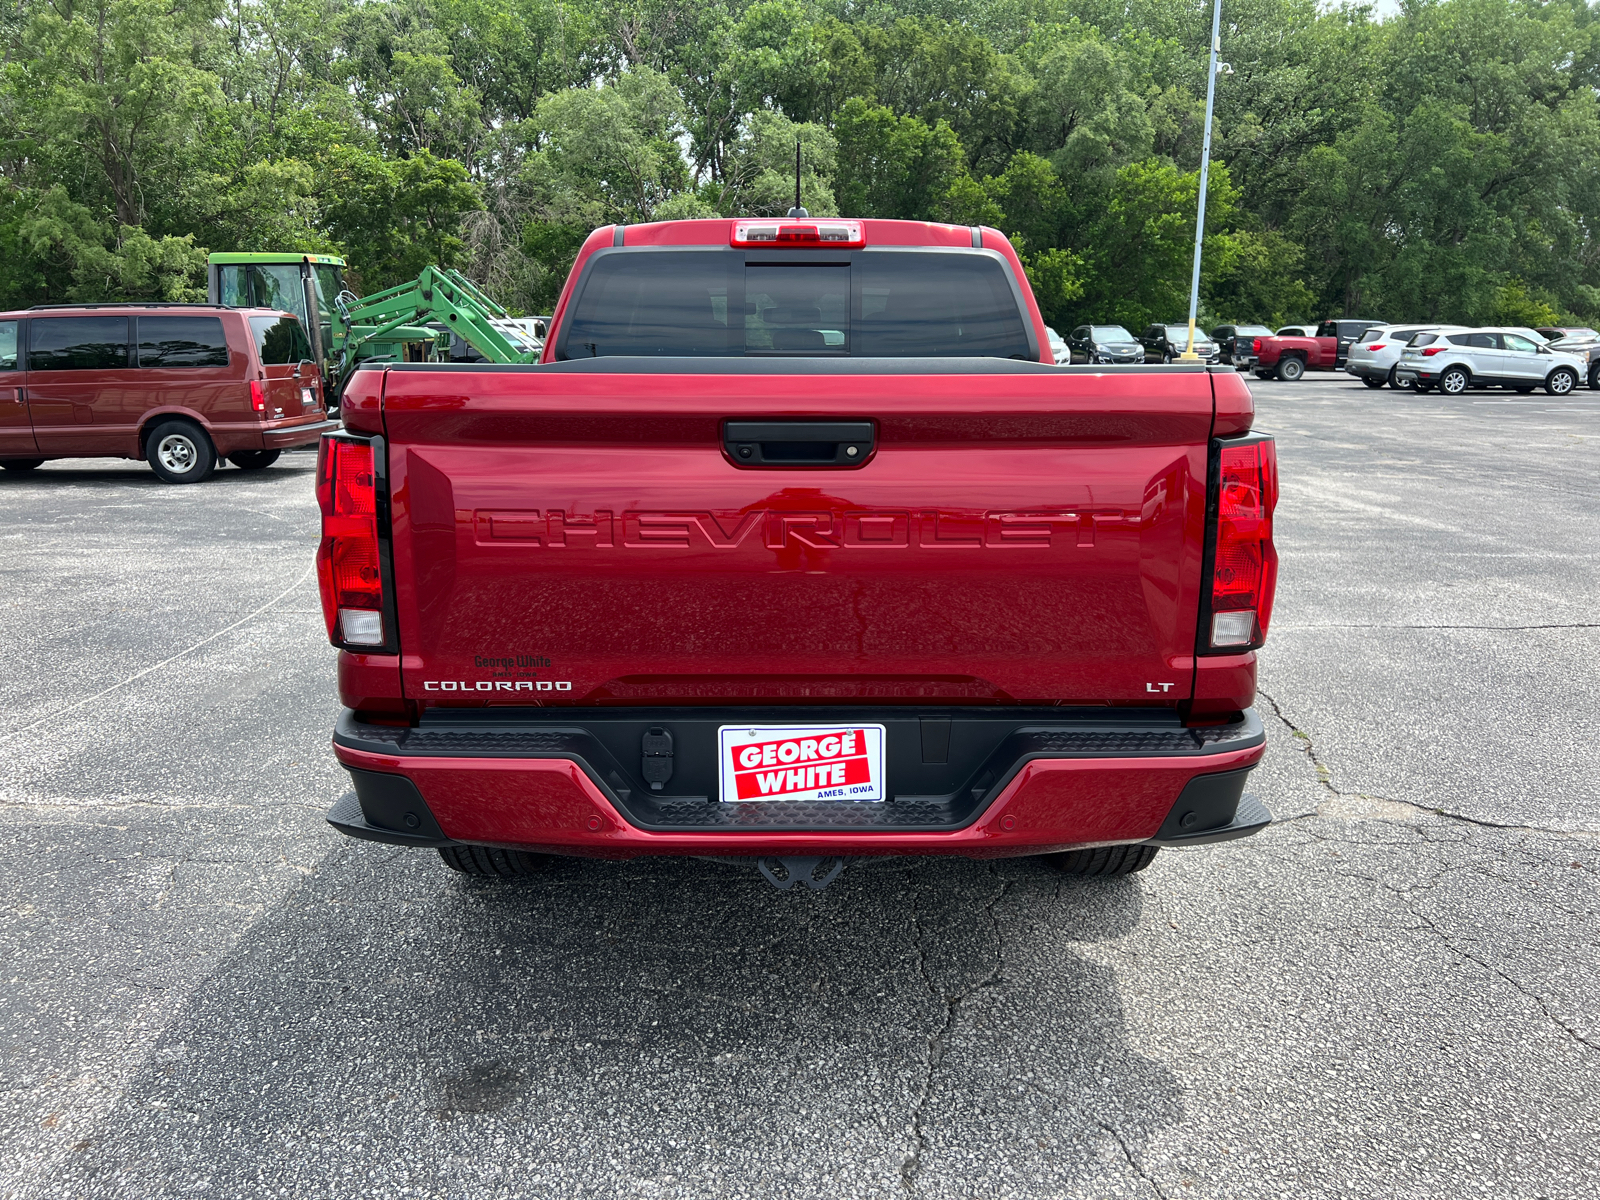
(1245,566)
(258,395)
(349,571)
(831,234)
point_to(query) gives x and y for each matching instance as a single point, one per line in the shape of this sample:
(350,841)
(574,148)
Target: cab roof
(331,260)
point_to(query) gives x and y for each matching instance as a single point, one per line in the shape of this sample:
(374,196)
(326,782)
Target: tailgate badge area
(656,764)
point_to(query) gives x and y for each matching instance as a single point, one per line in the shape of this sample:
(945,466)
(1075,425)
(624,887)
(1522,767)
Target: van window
(280,340)
(77,343)
(8,345)
(182,342)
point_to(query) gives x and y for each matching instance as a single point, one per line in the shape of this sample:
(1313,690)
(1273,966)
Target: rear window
(1328,329)
(885,304)
(1372,335)
(280,340)
(1424,339)
(182,342)
(77,343)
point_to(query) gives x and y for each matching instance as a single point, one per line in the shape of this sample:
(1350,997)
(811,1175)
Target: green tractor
(307,284)
(412,322)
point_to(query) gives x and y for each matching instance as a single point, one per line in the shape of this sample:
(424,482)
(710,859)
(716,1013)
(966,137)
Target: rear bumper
(1032,789)
(1365,370)
(287,437)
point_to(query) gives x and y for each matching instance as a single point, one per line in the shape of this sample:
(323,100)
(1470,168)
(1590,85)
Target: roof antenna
(797,211)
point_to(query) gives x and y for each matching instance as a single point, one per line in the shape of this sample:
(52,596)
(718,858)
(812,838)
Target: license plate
(799,762)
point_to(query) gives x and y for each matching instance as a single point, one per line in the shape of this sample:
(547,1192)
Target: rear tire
(1263,374)
(1371,382)
(180,452)
(1103,860)
(254,460)
(1561,381)
(1291,369)
(1523,390)
(493,862)
(1454,381)
(20,465)
(1397,384)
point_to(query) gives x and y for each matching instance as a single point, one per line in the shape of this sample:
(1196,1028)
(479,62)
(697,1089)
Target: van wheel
(493,862)
(20,465)
(180,452)
(1290,369)
(1561,381)
(254,460)
(1103,860)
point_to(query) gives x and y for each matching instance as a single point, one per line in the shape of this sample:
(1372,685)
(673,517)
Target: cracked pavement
(1392,992)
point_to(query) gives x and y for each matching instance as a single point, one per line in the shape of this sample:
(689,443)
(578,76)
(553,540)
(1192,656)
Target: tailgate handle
(798,443)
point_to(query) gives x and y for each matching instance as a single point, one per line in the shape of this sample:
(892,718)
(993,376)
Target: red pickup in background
(1288,358)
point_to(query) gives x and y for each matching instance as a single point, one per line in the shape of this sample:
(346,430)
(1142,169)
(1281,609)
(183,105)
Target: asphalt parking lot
(1394,991)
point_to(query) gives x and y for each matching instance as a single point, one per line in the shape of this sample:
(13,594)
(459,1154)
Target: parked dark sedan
(1164,343)
(1104,344)
(1233,343)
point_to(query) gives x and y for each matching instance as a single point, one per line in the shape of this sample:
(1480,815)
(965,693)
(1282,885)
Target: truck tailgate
(577,533)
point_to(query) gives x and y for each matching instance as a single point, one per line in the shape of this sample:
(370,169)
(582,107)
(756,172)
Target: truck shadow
(923,1025)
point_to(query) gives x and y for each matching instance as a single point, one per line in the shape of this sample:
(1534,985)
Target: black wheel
(1290,369)
(180,452)
(1263,374)
(1398,384)
(1561,381)
(20,465)
(254,460)
(1523,390)
(1454,381)
(1103,860)
(1371,382)
(493,862)
(1594,377)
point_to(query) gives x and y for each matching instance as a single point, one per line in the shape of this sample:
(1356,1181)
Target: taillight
(349,568)
(1244,572)
(258,395)
(1256,345)
(1430,351)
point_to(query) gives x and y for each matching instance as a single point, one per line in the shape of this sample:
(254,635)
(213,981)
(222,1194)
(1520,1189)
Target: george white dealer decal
(496,685)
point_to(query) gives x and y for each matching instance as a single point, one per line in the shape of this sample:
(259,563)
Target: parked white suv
(1503,357)
(1376,352)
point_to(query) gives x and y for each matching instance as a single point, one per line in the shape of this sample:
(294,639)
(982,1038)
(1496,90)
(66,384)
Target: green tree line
(1442,163)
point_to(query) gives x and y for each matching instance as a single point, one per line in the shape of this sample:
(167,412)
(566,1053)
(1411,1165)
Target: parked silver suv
(1376,352)
(1503,357)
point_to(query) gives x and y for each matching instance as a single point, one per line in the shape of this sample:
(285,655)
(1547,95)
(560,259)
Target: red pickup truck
(1290,357)
(796,547)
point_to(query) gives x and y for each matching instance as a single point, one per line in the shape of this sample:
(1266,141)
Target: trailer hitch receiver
(815,873)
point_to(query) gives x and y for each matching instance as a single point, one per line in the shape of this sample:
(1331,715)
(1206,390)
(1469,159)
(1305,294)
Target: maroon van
(179,385)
